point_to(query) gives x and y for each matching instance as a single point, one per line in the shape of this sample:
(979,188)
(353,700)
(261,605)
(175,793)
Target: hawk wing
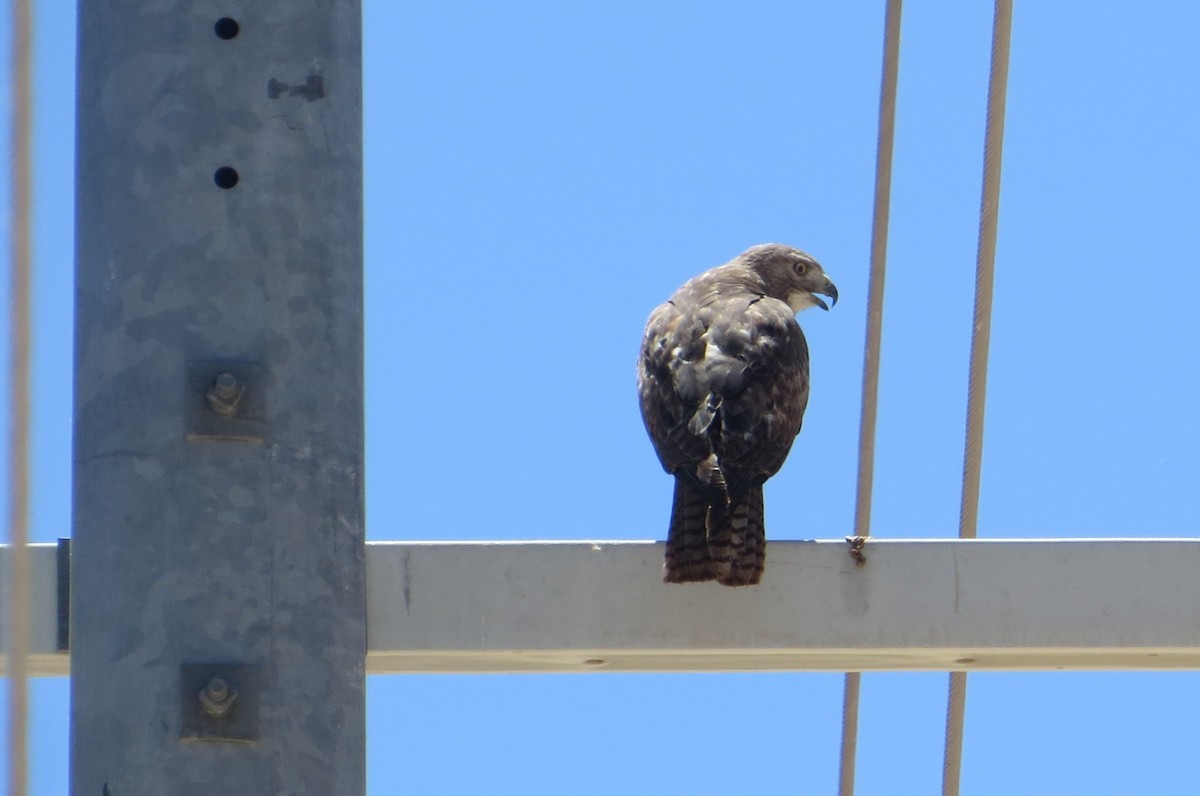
(724,381)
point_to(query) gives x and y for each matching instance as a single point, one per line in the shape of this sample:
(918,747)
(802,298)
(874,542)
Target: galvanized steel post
(218,626)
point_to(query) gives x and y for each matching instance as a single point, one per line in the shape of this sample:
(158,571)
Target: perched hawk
(723,383)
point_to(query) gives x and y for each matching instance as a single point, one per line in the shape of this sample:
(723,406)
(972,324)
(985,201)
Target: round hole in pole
(225,177)
(226,28)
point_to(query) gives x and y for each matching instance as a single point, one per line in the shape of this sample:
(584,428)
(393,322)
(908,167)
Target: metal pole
(218,613)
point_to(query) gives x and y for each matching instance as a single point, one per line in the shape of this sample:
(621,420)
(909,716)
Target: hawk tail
(687,557)
(709,542)
(738,542)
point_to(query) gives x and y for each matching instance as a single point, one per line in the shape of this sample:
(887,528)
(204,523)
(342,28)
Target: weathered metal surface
(219,221)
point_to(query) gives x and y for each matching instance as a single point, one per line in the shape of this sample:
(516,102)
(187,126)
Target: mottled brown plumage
(723,384)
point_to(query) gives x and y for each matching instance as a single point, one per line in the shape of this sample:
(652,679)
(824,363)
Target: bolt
(226,386)
(225,394)
(217,698)
(217,689)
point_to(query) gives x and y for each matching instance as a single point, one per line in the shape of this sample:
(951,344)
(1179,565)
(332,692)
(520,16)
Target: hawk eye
(800,267)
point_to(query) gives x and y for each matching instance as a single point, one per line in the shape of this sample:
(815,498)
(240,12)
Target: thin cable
(879,234)
(849,756)
(956,704)
(20,137)
(870,384)
(989,212)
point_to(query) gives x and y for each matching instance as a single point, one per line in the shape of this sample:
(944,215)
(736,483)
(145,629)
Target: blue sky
(539,175)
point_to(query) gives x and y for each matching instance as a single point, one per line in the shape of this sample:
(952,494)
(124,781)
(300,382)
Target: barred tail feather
(741,564)
(688,556)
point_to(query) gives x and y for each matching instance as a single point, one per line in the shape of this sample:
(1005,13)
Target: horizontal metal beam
(915,605)
(45,659)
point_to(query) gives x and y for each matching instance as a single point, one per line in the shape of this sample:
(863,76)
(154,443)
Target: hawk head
(790,275)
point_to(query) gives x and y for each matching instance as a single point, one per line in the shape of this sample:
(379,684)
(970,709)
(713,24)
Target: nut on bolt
(225,394)
(217,698)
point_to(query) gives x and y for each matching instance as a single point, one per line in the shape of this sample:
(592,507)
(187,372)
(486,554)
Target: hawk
(723,384)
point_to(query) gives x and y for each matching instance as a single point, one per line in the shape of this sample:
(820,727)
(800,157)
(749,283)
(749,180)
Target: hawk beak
(829,289)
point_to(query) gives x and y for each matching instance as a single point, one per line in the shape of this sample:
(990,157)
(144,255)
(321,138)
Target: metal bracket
(219,702)
(225,401)
(62,642)
(857,545)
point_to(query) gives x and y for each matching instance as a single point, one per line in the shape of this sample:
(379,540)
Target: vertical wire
(986,261)
(989,213)
(870,384)
(20,137)
(849,754)
(956,704)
